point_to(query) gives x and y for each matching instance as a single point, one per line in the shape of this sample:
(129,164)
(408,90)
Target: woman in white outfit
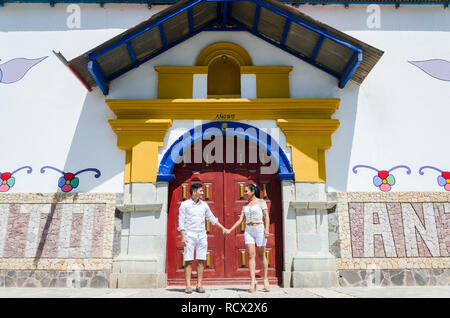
(256,232)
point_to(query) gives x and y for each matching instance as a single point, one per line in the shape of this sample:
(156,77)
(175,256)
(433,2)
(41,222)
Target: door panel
(235,242)
(223,184)
(212,177)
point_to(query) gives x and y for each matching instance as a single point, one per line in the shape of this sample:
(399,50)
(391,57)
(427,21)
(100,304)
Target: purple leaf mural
(14,70)
(436,68)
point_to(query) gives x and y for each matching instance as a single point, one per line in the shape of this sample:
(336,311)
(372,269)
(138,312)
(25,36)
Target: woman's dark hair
(254,188)
(194,187)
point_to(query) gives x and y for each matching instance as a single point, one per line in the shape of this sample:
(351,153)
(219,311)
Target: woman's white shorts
(198,242)
(255,235)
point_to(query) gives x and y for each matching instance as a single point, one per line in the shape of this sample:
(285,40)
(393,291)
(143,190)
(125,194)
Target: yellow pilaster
(140,138)
(308,140)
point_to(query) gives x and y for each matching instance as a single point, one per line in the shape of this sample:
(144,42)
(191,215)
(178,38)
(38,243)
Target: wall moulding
(243,109)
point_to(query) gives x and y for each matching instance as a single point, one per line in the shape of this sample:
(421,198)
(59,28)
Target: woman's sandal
(266,287)
(252,288)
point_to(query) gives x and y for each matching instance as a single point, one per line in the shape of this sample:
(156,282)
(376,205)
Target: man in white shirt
(191,224)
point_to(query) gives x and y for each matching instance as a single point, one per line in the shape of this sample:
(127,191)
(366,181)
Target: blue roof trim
(350,68)
(156,2)
(99,76)
(226,24)
(286,49)
(285,32)
(445,3)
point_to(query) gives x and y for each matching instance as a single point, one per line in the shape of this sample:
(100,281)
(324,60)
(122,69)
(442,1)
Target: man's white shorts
(197,241)
(255,235)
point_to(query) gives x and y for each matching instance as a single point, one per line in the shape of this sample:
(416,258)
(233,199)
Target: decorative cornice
(138,127)
(312,205)
(128,208)
(308,126)
(213,109)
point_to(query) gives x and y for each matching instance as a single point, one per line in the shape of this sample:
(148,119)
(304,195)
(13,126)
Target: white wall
(399,115)
(402,113)
(49,118)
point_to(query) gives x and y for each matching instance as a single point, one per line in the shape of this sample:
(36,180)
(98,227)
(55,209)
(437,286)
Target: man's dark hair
(194,187)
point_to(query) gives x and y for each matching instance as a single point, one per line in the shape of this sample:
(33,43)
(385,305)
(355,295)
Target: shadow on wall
(338,156)
(94,145)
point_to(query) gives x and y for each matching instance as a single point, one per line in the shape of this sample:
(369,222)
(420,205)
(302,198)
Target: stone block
(314,279)
(286,279)
(306,221)
(309,242)
(314,264)
(310,191)
(154,245)
(99,282)
(147,223)
(125,224)
(135,265)
(143,193)
(142,280)
(126,199)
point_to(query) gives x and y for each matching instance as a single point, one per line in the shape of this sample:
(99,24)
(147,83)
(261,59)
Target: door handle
(207,192)
(183,192)
(241,190)
(183,263)
(208,259)
(208,226)
(268,257)
(242,226)
(264,191)
(242,258)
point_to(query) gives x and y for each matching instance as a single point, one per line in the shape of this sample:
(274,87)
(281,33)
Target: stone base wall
(42,278)
(57,239)
(394,277)
(393,239)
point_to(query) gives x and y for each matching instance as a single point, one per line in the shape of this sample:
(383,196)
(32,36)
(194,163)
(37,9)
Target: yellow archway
(218,49)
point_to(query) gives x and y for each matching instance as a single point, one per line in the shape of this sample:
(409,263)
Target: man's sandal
(200,289)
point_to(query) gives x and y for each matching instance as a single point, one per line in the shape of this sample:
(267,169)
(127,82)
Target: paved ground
(228,292)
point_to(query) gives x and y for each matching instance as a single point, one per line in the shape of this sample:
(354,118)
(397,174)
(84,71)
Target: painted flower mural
(443,179)
(7,181)
(14,70)
(384,180)
(69,181)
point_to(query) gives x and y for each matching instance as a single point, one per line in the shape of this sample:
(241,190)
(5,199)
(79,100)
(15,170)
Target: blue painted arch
(198,133)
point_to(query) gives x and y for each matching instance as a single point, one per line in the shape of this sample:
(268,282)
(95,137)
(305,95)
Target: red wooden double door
(223,186)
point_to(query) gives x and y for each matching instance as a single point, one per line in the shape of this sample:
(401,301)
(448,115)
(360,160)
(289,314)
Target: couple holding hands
(191,224)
